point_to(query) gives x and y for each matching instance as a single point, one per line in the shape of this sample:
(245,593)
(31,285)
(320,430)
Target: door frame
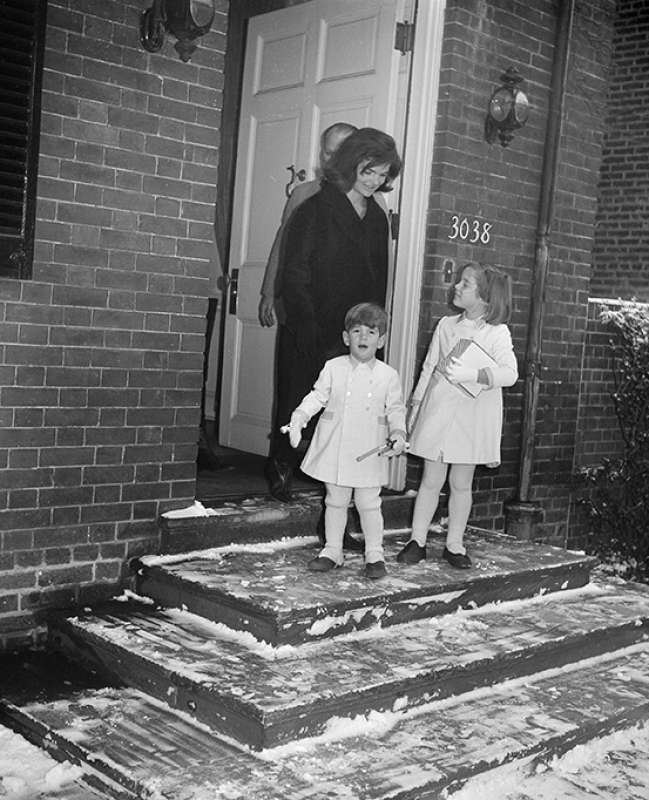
(421,118)
(418,149)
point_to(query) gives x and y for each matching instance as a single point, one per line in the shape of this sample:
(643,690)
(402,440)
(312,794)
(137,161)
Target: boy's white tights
(459,502)
(368,505)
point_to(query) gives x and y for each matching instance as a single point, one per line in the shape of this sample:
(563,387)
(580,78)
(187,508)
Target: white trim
(418,159)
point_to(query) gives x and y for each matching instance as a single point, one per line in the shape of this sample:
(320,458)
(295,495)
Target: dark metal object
(187,20)
(234,291)
(299,175)
(508,109)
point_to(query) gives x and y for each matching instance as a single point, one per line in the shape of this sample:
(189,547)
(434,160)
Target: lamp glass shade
(501,104)
(189,19)
(521,108)
(202,12)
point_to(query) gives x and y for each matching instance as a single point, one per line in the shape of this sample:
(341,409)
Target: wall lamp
(187,20)
(508,109)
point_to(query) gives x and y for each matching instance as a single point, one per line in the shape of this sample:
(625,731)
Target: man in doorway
(270,306)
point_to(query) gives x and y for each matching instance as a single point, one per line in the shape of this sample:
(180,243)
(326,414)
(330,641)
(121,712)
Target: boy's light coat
(363,406)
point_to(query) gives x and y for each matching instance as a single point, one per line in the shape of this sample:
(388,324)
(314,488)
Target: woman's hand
(456,373)
(266,312)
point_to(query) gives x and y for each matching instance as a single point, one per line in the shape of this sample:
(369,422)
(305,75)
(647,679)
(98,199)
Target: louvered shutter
(22,34)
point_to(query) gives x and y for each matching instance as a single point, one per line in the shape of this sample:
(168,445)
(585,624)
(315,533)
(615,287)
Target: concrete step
(266,590)
(264,696)
(415,754)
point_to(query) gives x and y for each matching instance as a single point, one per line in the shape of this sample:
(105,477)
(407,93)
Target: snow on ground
(28,773)
(612,766)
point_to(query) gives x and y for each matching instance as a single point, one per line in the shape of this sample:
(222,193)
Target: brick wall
(500,186)
(101,353)
(622,236)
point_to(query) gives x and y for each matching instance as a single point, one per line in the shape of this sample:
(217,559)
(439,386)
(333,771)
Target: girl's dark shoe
(321,564)
(412,553)
(375,570)
(457,560)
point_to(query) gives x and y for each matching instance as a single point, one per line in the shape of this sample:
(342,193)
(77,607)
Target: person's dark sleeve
(298,290)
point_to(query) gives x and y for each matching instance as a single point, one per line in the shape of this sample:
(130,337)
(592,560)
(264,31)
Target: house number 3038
(470,230)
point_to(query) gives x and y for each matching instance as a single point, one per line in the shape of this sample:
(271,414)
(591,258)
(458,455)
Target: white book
(470,354)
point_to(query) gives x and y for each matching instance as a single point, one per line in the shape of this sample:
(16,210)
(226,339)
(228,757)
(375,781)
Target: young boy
(363,412)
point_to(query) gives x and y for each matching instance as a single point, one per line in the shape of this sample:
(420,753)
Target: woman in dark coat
(334,255)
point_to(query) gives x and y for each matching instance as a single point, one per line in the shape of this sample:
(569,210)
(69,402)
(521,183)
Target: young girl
(451,425)
(363,415)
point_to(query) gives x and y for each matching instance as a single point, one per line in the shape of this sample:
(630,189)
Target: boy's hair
(369,314)
(494,287)
(364,145)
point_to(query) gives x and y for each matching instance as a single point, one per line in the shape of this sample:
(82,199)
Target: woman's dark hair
(364,145)
(494,287)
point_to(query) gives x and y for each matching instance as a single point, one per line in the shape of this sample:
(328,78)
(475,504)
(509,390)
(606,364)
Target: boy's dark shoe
(457,560)
(412,553)
(321,564)
(375,570)
(349,542)
(280,478)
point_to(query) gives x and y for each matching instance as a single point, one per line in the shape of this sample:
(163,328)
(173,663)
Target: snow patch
(197,509)
(217,553)
(27,772)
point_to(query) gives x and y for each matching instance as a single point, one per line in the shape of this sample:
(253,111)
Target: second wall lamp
(508,109)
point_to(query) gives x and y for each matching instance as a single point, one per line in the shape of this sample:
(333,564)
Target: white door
(306,67)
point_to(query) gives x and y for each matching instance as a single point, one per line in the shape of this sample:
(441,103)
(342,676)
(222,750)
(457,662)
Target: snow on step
(400,755)
(266,589)
(614,765)
(263,696)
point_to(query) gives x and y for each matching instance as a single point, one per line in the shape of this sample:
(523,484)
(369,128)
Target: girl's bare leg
(459,505)
(427,499)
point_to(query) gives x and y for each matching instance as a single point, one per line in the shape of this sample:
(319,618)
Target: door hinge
(404,37)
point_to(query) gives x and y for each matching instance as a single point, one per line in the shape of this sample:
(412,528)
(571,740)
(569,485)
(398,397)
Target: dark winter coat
(332,259)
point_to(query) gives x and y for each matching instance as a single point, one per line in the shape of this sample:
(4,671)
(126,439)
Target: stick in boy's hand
(382,449)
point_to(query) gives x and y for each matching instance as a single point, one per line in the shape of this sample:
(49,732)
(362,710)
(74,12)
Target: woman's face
(370,178)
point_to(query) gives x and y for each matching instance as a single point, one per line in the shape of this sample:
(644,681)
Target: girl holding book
(455,415)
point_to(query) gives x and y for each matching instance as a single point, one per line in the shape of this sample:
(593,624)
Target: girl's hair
(364,145)
(494,287)
(369,314)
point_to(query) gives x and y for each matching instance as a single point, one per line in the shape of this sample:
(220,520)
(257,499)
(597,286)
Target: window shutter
(22,35)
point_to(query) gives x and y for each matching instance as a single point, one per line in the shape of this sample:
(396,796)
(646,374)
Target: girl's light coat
(363,406)
(449,423)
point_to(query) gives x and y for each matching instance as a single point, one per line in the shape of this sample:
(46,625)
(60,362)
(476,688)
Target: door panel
(306,67)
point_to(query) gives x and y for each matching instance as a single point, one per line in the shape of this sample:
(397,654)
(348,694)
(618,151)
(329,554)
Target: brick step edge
(102,777)
(257,728)
(237,768)
(264,520)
